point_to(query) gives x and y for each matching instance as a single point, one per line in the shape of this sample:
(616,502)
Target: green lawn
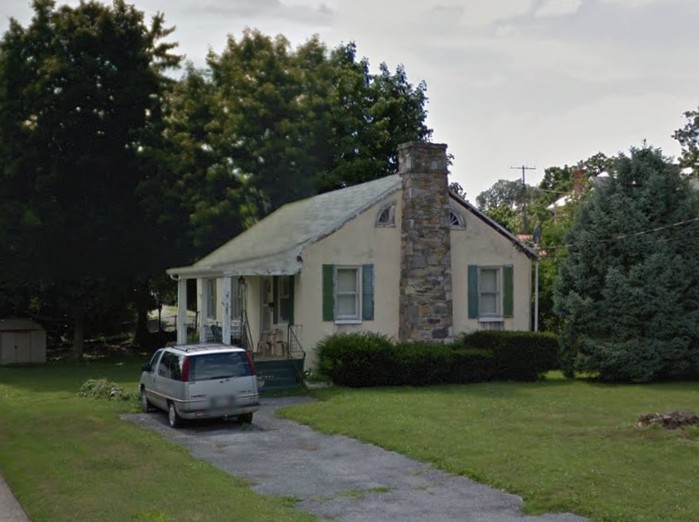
(69,458)
(563,446)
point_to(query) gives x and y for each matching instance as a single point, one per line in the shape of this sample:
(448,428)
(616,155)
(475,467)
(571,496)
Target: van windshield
(219,366)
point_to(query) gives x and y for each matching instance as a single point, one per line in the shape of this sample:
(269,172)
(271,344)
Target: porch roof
(274,245)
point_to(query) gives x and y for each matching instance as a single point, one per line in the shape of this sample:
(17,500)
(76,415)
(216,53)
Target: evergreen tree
(628,291)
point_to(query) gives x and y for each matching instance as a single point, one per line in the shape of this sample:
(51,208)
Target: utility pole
(524,168)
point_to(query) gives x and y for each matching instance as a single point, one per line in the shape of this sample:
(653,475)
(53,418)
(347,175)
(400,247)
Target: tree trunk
(78,337)
(143,302)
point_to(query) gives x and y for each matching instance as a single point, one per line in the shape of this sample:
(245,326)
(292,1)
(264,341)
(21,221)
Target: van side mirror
(145,367)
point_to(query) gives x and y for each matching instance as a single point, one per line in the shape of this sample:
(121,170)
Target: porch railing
(295,350)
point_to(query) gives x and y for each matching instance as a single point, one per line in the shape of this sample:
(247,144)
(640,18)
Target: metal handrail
(293,343)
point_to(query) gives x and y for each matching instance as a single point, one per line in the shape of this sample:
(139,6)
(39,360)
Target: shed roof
(15,324)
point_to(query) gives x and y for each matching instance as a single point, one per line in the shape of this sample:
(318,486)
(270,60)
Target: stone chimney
(425,307)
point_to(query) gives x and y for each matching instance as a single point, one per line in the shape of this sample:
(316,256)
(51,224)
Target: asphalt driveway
(338,478)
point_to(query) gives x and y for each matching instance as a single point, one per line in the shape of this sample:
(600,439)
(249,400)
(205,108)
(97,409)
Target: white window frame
(389,211)
(456,218)
(211,299)
(282,294)
(355,318)
(498,314)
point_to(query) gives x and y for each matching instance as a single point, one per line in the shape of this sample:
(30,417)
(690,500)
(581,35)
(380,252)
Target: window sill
(491,319)
(348,321)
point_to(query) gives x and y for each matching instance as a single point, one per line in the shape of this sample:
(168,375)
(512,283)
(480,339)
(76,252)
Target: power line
(629,235)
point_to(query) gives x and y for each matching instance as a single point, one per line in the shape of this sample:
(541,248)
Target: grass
(69,458)
(562,445)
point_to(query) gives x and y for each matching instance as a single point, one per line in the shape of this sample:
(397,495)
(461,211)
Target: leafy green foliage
(356,359)
(265,124)
(552,206)
(628,288)
(520,356)
(103,389)
(79,89)
(688,136)
(369,359)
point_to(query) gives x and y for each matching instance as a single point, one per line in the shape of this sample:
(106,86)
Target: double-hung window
(347,289)
(490,292)
(348,293)
(489,295)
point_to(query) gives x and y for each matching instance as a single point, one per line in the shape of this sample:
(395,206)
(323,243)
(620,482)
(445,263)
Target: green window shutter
(368,292)
(275,299)
(508,294)
(328,293)
(472,291)
(291,299)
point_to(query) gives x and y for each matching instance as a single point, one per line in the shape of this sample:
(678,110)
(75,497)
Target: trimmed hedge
(357,359)
(519,356)
(369,359)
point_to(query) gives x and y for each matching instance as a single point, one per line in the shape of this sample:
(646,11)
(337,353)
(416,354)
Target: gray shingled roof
(273,244)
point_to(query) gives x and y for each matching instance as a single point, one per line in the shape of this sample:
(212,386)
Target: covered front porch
(247,306)
(252,311)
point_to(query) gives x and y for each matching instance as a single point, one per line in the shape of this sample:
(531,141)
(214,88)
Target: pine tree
(628,292)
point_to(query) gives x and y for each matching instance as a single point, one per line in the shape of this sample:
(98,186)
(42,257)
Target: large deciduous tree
(265,124)
(628,290)
(688,136)
(79,86)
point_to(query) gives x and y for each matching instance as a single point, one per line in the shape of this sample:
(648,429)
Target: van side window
(170,366)
(154,360)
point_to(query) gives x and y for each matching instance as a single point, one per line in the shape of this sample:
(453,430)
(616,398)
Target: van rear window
(218,366)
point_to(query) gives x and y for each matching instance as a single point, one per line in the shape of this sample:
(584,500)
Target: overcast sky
(510,82)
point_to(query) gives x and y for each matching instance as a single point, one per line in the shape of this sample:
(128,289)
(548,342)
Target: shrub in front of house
(357,359)
(421,364)
(518,356)
(470,365)
(370,359)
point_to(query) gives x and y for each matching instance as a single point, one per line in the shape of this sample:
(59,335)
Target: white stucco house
(400,255)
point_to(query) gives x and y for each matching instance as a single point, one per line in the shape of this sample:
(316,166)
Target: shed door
(7,348)
(16,347)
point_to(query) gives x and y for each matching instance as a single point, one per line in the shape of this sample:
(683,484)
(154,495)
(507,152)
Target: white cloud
(632,3)
(551,8)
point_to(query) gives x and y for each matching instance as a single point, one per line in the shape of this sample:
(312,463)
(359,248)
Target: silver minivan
(200,381)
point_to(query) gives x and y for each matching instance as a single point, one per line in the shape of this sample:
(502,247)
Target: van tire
(245,418)
(173,417)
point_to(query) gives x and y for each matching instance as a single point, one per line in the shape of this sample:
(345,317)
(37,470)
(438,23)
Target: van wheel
(245,418)
(173,417)
(146,405)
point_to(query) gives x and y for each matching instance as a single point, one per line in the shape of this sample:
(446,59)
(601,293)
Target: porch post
(181,311)
(226,327)
(202,302)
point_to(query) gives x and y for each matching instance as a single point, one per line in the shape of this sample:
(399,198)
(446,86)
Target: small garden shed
(22,341)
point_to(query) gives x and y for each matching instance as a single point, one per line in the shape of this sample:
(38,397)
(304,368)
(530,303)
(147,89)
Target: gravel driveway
(338,478)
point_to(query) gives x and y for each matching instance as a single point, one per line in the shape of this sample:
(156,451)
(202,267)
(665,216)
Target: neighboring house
(400,255)
(581,183)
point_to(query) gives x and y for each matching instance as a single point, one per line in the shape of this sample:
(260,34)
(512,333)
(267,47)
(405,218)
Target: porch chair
(264,345)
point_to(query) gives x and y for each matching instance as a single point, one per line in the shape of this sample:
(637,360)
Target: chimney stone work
(425,309)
